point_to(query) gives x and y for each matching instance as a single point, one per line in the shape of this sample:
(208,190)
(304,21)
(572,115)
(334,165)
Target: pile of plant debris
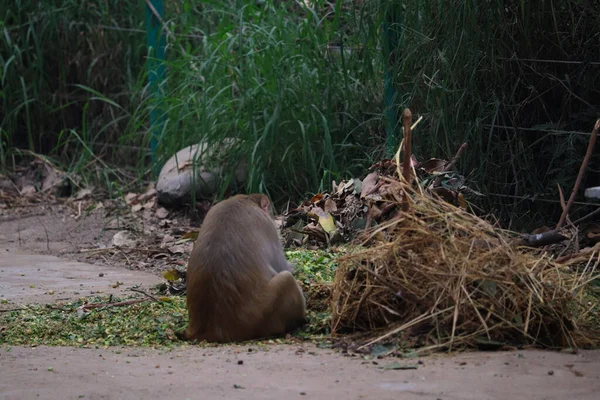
(439,276)
(355,205)
(447,278)
(444,278)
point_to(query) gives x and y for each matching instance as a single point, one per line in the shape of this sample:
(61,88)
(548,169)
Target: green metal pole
(391,38)
(156,43)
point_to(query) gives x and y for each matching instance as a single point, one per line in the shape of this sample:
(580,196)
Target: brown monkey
(239,284)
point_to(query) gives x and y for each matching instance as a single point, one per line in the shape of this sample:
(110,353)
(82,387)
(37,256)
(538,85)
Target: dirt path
(28,278)
(282,372)
(279,372)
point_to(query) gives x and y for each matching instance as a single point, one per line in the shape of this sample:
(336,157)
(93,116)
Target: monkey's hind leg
(284,298)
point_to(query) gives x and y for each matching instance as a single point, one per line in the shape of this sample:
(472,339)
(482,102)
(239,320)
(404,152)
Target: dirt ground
(232,372)
(288,372)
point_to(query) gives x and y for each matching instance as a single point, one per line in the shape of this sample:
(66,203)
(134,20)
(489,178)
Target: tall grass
(468,68)
(70,75)
(257,72)
(263,75)
(74,85)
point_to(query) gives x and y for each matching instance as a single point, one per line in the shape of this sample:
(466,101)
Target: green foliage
(73,85)
(468,69)
(263,75)
(142,324)
(147,323)
(71,77)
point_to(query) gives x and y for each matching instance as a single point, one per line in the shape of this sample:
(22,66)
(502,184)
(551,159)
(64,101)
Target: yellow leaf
(326,221)
(190,235)
(462,203)
(171,275)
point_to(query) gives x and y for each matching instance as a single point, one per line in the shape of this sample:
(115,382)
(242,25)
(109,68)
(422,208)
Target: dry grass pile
(451,279)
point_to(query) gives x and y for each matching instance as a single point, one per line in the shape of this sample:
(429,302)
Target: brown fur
(239,284)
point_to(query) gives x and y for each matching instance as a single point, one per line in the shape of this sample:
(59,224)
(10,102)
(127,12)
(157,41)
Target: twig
(144,293)
(584,164)
(118,304)
(451,164)
(406,171)
(589,216)
(419,319)
(45,230)
(11,309)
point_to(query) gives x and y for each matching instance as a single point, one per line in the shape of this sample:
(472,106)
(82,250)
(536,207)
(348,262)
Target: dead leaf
(162,213)
(325,220)
(462,203)
(369,184)
(53,178)
(28,190)
(433,165)
(193,235)
(150,205)
(136,207)
(167,240)
(124,239)
(316,198)
(83,193)
(177,249)
(131,198)
(330,205)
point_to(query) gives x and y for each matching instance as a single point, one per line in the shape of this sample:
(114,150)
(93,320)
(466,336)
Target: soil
(30,243)
(289,372)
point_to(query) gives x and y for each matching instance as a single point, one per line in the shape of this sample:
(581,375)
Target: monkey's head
(262,201)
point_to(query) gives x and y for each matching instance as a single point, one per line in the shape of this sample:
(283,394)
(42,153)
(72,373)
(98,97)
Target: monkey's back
(229,265)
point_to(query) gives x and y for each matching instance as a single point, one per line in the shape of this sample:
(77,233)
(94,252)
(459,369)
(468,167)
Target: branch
(586,160)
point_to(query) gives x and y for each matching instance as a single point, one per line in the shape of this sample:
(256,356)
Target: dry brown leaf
(162,213)
(369,184)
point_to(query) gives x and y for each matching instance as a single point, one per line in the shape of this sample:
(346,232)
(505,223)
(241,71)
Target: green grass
(73,85)
(144,324)
(453,67)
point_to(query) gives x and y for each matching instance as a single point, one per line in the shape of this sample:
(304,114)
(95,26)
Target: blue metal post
(156,43)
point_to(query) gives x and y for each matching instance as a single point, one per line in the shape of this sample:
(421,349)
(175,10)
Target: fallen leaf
(433,165)
(172,275)
(462,203)
(136,208)
(28,190)
(316,198)
(178,249)
(162,213)
(193,235)
(369,184)
(83,193)
(150,205)
(330,205)
(131,198)
(124,239)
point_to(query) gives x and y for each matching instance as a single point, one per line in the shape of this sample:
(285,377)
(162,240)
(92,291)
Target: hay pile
(452,280)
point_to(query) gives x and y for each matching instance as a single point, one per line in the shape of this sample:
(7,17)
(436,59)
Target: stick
(118,304)
(582,169)
(144,293)
(451,164)
(589,216)
(406,172)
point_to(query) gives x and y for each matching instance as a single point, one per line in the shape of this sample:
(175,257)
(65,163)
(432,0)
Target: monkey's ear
(264,203)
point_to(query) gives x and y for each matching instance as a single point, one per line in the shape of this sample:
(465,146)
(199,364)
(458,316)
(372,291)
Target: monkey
(239,284)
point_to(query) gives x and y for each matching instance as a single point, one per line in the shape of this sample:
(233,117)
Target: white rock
(593,193)
(176,178)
